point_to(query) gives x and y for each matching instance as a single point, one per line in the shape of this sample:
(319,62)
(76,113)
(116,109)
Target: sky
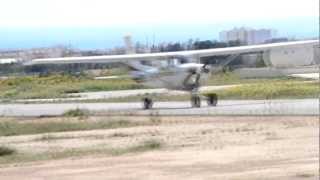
(23,18)
(66,13)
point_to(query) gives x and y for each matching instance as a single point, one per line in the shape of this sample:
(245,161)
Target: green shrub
(5,151)
(152,144)
(76,113)
(147,145)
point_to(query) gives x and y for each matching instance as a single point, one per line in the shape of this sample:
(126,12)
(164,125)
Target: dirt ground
(207,148)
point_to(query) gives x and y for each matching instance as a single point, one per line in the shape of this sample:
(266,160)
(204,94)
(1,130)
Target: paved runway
(225,107)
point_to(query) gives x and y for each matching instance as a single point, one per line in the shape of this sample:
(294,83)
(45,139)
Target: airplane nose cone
(205,70)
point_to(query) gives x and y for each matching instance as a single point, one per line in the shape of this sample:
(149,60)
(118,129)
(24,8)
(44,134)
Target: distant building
(128,44)
(27,54)
(247,36)
(8,61)
(293,56)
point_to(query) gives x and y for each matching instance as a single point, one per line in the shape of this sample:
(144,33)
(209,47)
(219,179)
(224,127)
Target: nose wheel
(212,100)
(147,103)
(195,101)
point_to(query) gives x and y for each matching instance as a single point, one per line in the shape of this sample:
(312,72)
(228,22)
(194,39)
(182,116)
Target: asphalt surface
(224,107)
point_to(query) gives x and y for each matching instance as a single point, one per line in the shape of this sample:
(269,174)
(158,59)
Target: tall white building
(128,44)
(247,35)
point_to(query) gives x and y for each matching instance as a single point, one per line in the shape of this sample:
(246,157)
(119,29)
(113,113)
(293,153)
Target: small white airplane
(188,76)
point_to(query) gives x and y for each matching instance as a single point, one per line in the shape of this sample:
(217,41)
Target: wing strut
(222,65)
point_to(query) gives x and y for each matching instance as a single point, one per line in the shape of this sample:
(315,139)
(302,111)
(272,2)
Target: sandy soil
(193,148)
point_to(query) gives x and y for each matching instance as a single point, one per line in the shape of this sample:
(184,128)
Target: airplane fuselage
(188,77)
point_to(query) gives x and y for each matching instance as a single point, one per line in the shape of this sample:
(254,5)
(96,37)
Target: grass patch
(274,90)
(304,175)
(76,113)
(229,78)
(15,127)
(118,134)
(148,145)
(47,137)
(6,151)
(58,86)
(51,137)
(224,79)
(263,90)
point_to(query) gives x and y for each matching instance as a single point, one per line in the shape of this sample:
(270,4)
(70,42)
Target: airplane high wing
(191,54)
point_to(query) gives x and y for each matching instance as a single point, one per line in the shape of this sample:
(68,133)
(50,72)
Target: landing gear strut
(212,100)
(147,103)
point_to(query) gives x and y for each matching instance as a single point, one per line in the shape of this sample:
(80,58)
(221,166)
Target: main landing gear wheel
(195,101)
(212,100)
(147,103)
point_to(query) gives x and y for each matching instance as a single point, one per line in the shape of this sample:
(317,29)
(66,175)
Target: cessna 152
(188,76)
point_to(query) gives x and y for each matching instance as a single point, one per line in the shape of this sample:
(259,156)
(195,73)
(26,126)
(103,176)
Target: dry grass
(234,147)
(10,156)
(15,127)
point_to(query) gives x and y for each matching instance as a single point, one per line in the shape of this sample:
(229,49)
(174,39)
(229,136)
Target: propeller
(205,68)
